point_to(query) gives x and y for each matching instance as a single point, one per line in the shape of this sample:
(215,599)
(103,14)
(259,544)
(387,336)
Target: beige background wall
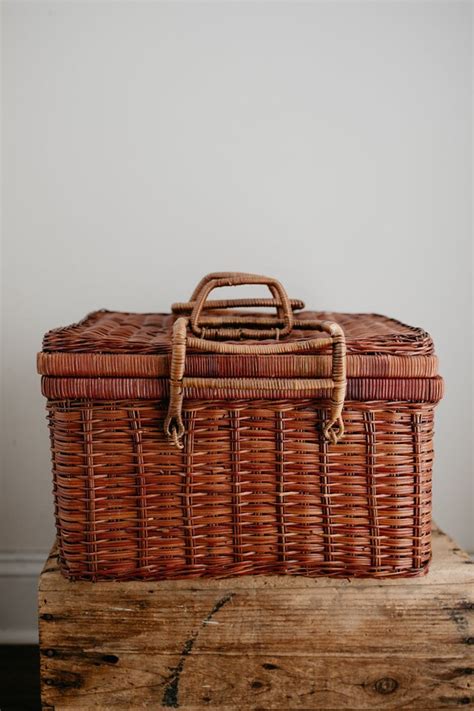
(147,143)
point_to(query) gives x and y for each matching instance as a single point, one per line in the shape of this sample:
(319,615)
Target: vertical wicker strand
(325,493)
(374,533)
(280,462)
(57,514)
(417,469)
(91,535)
(189,534)
(234,417)
(142,535)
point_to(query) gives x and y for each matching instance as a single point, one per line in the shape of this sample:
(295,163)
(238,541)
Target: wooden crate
(261,642)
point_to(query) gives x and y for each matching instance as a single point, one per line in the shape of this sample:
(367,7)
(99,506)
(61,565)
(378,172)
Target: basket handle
(334,428)
(215,280)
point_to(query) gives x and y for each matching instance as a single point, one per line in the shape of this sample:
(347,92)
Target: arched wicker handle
(223,322)
(334,428)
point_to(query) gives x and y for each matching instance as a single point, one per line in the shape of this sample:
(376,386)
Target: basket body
(256,489)
(217,445)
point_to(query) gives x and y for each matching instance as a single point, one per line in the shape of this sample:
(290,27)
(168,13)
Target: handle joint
(333,429)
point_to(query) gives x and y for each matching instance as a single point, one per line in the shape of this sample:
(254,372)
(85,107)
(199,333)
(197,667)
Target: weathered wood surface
(261,642)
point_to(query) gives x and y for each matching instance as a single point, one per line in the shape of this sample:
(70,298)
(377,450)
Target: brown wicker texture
(116,332)
(130,365)
(273,475)
(256,489)
(413,389)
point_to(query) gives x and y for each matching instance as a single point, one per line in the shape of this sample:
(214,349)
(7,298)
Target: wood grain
(261,642)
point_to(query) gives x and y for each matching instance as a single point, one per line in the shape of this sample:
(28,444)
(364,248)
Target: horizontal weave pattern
(154,366)
(410,389)
(256,489)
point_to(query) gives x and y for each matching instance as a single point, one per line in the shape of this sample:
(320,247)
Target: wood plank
(261,642)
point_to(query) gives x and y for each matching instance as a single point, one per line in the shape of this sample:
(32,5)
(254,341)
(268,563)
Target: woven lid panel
(121,332)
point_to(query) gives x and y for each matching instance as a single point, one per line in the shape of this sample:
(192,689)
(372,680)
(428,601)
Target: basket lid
(385,359)
(105,332)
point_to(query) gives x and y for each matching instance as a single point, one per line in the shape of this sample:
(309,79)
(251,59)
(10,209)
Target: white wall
(147,143)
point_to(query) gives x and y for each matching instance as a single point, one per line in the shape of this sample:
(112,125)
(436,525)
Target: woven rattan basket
(216,442)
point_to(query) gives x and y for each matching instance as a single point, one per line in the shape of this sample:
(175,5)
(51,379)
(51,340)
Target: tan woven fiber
(218,279)
(185,308)
(334,429)
(209,441)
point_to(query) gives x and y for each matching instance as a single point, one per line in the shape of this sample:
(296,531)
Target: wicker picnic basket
(216,442)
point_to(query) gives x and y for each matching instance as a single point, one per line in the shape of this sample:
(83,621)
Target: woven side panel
(325,494)
(256,489)
(90,538)
(138,451)
(371,456)
(236,495)
(280,446)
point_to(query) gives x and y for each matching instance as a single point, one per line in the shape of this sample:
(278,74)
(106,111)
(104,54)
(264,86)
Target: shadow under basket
(214,442)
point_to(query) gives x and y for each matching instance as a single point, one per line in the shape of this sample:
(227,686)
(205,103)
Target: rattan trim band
(284,366)
(429,390)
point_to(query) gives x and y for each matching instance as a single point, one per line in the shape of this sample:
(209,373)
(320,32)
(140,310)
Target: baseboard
(18,637)
(21,564)
(19,572)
